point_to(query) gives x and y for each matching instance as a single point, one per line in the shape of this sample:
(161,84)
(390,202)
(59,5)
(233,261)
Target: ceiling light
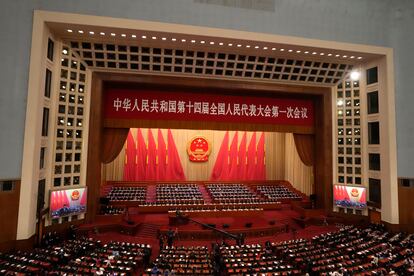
(70,31)
(133,36)
(64,51)
(322,54)
(211,42)
(202,42)
(164,38)
(91,33)
(340,102)
(298,51)
(154,37)
(329,55)
(306,52)
(193,41)
(247,46)
(355,75)
(290,50)
(80,31)
(282,50)
(123,35)
(144,36)
(359,57)
(273,49)
(256,47)
(238,45)
(265,48)
(221,43)
(230,44)
(183,40)
(314,53)
(337,55)
(352,57)
(173,39)
(344,56)
(113,34)
(102,33)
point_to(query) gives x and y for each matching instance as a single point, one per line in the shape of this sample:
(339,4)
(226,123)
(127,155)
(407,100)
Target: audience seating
(232,193)
(136,194)
(178,193)
(277,193)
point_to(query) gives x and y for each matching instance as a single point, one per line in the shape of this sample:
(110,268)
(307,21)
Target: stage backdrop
(282,159)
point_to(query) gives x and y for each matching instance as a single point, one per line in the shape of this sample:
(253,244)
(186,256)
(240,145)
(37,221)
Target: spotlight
(355,75)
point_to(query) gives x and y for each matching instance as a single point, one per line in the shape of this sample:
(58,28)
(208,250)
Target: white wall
(376,22)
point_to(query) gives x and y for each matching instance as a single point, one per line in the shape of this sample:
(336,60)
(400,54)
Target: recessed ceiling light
(221,43)
(298,51)
(238,45)
(133,36)
(340,102)
(202,42)
(91,33)
(64,51)
(211,42)
(113,34)
(282,50)
(337,55)
(306,52)
(265,48)
(256,47)
(154,37)
(144,36)
(102,33)
(193,41)
(359,57)
(80,31)
(183,40)
(123,35)
(247,46)
(344,56)
(329,55)
(70,31)
(290,50)
(273,49)
(322,54)
(164,38)
(355,75)
(352,57)
(173,39)
(314,53)
(230,44)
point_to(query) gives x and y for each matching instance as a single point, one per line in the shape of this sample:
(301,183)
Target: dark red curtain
(241,158)
(261,165)
(113,139)
(151,172)
(162,156)
(174,168)
(251,158)
(221,167)
(141,157)
(233,168)
(304,145)
(130,159)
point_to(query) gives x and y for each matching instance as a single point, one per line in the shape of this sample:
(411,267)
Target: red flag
(251,158)
(221,167)
(233,166)
(151,172)
(141,157)
(174,168)
(242,158)
(130,152)
(162,156)
(261,163)
(83,198)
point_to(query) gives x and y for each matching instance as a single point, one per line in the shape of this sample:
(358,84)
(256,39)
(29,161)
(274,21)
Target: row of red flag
(151,162)
(238,163)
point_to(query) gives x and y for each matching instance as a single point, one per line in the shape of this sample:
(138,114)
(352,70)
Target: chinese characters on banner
(159,105)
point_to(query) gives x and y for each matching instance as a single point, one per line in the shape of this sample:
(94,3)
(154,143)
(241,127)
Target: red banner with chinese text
(159,105)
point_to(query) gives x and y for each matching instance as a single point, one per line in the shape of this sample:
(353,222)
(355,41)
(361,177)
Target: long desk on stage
(218,213)
(173,207)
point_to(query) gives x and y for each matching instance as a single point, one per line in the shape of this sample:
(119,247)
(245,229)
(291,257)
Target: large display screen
(350,196)
(67,202)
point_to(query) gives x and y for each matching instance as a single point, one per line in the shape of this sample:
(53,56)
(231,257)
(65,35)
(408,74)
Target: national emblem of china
(75,195)
(198,149)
